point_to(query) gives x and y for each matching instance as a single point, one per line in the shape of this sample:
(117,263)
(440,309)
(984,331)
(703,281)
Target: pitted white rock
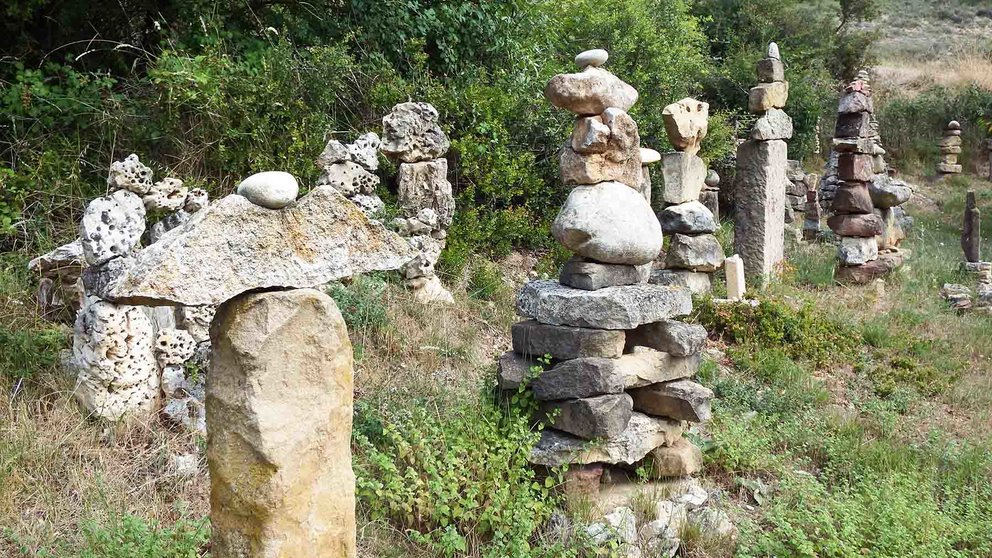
(111,226)
(130,174)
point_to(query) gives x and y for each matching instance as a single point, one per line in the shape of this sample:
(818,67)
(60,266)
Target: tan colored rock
(686,123)
(586,159)
(279,405)
(590,91)
(681,459)
(766,96)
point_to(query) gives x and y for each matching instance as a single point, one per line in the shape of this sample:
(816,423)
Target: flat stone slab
(590,376)
(532,338)
(643,434)
(670,336)
(615,308)
(679,400)
(234,246)
(603,416)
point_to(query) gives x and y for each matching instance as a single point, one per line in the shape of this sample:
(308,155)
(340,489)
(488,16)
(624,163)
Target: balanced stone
(591,276)
(595,57)
(589,376)
(590,135)
(854,102)
(852,197)
(513,370)
(863,274)
(167,194)
(350,178)
(680,400)
(854,250)
(696,253)
(697,282)
(619,160)
(410,133)
(621,308)
(425,185)
(532,338)
(279,404)
(766,96)
(234,246)
(590,91)
(887,192)
(604,416)
(609,223)
(760,192)
(684,175)
(854,166)
(856,125)
(649,156)
(855,225)
(131,175)
(690,218)
(971,238)
(686,123)
(670,336)
(775,124)
(681,459)
(853,145)
(111,226)
(643,434)
(269,189)
(770,70)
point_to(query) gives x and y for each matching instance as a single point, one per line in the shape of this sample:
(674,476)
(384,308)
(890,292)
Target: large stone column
(279,408)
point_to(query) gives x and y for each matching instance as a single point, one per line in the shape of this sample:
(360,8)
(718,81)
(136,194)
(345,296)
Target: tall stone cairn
(693,251)
(617,390)
(971,231)
(761,173)
(950,149)
(864,199)
(279,405)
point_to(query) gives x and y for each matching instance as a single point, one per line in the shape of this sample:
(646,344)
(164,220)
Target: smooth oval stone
(773,51)
(595,57)
(953,125)
(270,189)
(649,156)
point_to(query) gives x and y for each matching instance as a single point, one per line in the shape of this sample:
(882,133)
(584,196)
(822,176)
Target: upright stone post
(759,229)
(971,236)
(950,149)
(279,408)
(811,223)
(988,147)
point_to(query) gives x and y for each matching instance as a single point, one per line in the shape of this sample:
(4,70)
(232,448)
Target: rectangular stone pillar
(759,230)
(279,408)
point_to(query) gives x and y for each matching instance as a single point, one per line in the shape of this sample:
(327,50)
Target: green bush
(362,303)
(26,352)
(129,536)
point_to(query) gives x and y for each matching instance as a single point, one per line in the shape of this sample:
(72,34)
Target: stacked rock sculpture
(693,251)
(950,148)
(615,391)
(865,200)
(761,172)
(710,196)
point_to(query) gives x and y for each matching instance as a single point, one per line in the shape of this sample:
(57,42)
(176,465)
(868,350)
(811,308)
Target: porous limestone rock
(603,416)
(111,226)
(591,376)
(678,399)
(532,338)
(60,293)
(234,246)
(689,218)
(854,250)
(365,151)
(684,175)
(196,199)
(411,133)
(774,124)
(590,276)
(371,205)
(696,253)
(113,355)
(618,160)
(670,336)
(174,346)
(610,223)
(279,404)
(167,194)
(269,189)
(425,186)
(589,92)
(195,320)
(686,123)
(760,199)
(643,434)
(348,178)
(620,308)
(765,96)
(131,175)
(427,250)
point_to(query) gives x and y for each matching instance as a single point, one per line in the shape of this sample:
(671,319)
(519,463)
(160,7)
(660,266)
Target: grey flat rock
(617,308)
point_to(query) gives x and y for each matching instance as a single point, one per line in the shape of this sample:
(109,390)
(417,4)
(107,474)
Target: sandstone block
(864,274)
(770,70)
(604,416)
(852,197)
(697,282)
(617,308)
(854,145)
(774,125)
(686,123)
(279,405)
(609,223)
(854,102)
(684,175)
(643,434)
(590,376)
(681,459)
(766,96)
(855,167)
(689,218)
(590,91)
(679,400)
(619,160)
(696,253)
(532,338)
(855,125)
(760,199)
(590,276)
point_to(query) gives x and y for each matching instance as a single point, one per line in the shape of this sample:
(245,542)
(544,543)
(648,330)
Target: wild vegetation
(849,421)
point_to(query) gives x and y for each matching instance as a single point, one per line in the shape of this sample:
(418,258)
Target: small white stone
(186,466)
(734,268)
(270,189)
(649,156)
(595,57)
(773,51)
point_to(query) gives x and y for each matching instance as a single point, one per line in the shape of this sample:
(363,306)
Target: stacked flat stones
(866,216)
(761,172)
(693,252)
(950,148)
(616,391)
(797,189)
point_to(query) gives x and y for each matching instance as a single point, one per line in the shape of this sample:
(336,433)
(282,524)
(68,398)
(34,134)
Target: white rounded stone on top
(649,156)
(773,51)
(270,189)
(953,125)
(595,57)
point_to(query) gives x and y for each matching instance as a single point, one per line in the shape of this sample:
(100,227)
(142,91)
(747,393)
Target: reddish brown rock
(856,225)
(852,197)
(855,167)
(864,274)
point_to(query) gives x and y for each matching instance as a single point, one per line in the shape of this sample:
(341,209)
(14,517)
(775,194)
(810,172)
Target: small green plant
(29,351)
(362,303)
(486,281)
(129,536)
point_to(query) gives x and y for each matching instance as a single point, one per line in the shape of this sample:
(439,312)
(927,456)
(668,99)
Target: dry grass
(913,76)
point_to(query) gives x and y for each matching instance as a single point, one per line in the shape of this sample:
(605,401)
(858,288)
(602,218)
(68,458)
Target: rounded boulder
(270,189)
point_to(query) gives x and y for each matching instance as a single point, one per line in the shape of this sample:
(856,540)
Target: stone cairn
(864,199)
(950,149)
(693,252)
(759,231)
(962,297)
(412,136)
(617,390)
(797,190)
(710,196)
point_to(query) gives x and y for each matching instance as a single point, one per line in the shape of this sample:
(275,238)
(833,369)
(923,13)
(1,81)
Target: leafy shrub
(28,351)
(486,281)
(460,482)
(362,303)
(129,536)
